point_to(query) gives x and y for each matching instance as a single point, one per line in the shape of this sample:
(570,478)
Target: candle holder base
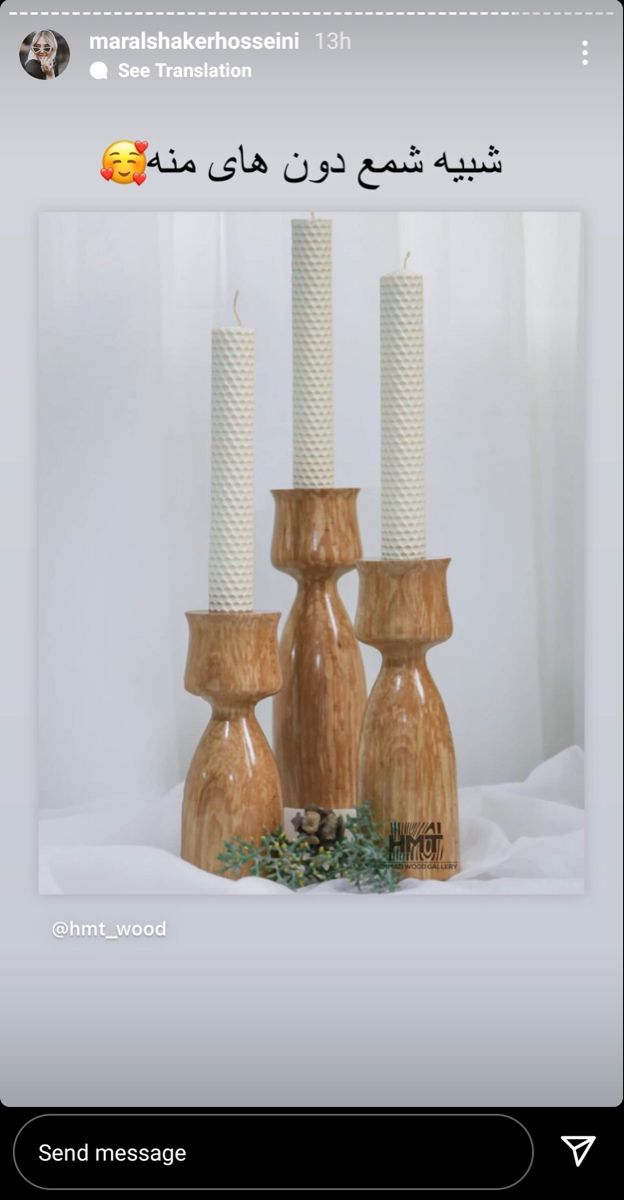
(407,761)
(317,716)
(232,787)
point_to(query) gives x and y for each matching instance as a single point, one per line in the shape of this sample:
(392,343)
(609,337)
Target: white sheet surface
(516,838)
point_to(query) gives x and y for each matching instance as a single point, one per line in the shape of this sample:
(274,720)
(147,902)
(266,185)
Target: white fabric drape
(516,838)
(126,306)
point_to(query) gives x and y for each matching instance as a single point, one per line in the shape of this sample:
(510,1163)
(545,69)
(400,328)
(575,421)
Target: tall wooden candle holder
(318,713)
(407,761)
(232,787)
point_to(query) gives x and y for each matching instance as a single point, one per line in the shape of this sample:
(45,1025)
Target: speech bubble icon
(98,70)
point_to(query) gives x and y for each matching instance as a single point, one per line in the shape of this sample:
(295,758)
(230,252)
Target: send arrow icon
(580,1147)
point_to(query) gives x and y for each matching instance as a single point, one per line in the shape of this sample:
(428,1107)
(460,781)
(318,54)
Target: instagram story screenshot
(310,616)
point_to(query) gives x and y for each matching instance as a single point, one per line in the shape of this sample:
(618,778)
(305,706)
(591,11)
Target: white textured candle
(313,416)
(402,417)
(232,501)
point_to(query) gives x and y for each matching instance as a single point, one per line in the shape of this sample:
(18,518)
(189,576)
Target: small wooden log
(232,787)
(407,760)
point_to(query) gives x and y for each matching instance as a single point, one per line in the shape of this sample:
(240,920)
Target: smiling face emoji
(124,162)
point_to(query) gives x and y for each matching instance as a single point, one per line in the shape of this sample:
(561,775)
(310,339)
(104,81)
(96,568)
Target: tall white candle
(402,417)
(232,501)
(313,416)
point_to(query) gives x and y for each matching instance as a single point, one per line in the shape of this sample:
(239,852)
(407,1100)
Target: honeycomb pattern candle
(313,417)
(232,506)
(402,416)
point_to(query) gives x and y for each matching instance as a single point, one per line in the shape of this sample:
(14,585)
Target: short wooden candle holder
(232,787)
(407,761)
(318,713)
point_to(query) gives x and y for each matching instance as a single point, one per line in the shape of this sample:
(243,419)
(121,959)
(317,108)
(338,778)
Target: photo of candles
(304,541)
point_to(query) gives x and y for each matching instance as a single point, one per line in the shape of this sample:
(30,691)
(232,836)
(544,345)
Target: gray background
(439,1002)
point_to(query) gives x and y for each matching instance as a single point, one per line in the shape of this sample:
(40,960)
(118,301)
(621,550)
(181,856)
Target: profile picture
(44,54)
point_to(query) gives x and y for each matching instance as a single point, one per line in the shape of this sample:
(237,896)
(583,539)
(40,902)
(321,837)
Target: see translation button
(177,1151)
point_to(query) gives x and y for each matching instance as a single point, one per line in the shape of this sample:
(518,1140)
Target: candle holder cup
(317,715)
(407,760)
(232,787)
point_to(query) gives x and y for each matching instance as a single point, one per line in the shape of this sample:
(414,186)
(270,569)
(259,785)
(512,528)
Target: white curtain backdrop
(127,302)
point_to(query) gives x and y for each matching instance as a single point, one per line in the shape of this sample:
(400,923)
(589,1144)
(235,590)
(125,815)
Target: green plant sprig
(360,857)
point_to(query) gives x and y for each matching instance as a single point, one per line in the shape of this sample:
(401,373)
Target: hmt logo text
(415,842)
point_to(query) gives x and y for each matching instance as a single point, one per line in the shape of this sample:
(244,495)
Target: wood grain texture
(407,760)
(317,716)
(232,787)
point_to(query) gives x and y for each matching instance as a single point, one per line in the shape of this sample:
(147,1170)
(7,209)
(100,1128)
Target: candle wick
(406,260)
(235,307)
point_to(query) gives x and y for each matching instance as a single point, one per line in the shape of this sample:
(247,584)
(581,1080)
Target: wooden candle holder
(407,761)
(317,716)
(232,787)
